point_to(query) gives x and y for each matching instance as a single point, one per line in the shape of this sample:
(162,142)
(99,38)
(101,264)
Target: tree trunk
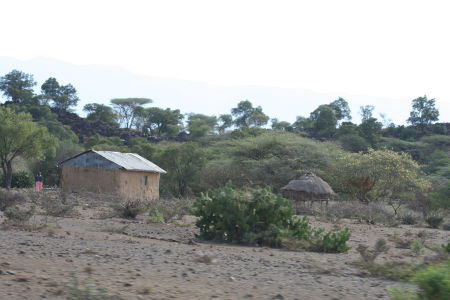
(8,174)
(4,173)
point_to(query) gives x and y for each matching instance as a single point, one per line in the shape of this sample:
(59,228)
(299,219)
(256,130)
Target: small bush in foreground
(433,283)
(262,218)
(17,215)
(87,290)
(434,221)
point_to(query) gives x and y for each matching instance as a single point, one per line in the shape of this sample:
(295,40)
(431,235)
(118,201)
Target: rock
(278,296)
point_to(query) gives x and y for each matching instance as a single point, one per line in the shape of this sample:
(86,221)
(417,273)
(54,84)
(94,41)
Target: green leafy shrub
(155,216)
(20,179)
(434,282)
(259,217)
(332,242)
(434,221)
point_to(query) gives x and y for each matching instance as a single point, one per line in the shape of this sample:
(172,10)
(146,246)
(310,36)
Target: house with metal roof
(127,175)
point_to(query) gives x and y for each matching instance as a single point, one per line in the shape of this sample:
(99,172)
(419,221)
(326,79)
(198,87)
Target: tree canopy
(423,112)
(247,116)
(21,137)
(18,86)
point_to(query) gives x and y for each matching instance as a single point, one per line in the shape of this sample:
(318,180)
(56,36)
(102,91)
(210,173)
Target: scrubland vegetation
(227,170)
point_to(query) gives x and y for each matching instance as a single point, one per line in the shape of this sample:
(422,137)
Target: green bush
(259,217)
(446,248)
(433,284)
(20,179)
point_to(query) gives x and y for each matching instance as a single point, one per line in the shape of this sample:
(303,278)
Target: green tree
(424,112)
(324,121)
(366,111)
(378,175)
(200,125)
(302,123)
(63,97)
(341,109)
(248,116)
(281,125)
(163,122)
(49,90)
(18,86)
(126,109)
(100,112)
(182,163)
(225,121)
(20,136)
(370,130)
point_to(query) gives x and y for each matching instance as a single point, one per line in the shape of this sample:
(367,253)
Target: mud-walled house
(127,175)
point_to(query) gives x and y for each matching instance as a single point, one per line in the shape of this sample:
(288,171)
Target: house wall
(132,185)
(126,184)
(80,179)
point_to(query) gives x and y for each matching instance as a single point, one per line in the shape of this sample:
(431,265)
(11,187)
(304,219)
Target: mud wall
(139,185)
(126,184)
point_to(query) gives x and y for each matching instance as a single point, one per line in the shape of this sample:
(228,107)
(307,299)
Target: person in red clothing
(39,180)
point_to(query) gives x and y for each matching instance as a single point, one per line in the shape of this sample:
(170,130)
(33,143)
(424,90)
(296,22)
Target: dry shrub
(170,209)
(9,198)
(372,213)
(368,256)
(130,208)
(58,204)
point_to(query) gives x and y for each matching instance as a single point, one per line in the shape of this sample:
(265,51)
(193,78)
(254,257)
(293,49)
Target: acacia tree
(127,109)
(378,175)
(18,86)
(423,112)
(20,136)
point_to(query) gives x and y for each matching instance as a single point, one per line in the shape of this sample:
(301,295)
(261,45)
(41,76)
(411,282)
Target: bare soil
(133,259)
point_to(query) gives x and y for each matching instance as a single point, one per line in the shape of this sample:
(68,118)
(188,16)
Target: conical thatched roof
(309,183)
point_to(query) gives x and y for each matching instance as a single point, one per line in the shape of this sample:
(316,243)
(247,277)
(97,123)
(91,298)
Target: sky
(390,49)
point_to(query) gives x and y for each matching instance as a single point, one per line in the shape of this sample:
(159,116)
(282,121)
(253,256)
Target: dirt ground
(132,259)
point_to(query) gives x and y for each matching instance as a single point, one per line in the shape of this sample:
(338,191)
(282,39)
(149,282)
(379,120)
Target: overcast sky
(391,49)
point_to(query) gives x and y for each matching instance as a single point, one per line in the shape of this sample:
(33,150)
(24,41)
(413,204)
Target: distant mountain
(97,83)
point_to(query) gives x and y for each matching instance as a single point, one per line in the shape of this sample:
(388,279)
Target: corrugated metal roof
(130,161)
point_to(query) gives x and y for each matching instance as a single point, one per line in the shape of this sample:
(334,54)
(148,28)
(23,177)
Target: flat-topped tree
(126,108)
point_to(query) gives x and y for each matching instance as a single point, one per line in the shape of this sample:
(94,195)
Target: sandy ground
(135,260)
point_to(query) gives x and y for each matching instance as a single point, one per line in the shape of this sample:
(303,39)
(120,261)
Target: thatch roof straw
(309,183)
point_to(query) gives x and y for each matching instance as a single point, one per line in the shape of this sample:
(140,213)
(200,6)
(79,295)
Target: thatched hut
(309,187)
